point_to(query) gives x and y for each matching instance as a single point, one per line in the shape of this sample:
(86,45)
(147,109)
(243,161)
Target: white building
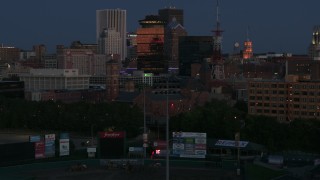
(110,42)
(113,19)
(54,79)
(85,60)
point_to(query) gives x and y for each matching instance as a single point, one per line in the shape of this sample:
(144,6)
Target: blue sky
(275,25)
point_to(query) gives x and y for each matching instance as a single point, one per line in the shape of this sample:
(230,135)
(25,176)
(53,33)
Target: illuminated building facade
(150,44)
(113,19)
(247,51)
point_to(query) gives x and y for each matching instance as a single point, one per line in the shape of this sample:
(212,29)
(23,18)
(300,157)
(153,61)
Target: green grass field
(254,172)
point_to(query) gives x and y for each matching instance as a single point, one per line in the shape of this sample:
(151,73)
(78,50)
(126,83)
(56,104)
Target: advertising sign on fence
(39,150)
(64,147)
(189,144)
(50,145)
(64,144)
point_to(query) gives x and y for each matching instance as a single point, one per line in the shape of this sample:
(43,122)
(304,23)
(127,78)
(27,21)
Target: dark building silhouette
(193,49)
(168,14)
(171,43)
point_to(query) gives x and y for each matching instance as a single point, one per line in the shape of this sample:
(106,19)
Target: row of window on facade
(294,86)
(275,112)
(284,99)
(275,92)
(295,106)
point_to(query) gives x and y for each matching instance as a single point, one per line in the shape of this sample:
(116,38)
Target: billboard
(64,147)
(64,144)
(189,144)
(39,146)
(112,144)
(39,149)
(231,143)
(50,145)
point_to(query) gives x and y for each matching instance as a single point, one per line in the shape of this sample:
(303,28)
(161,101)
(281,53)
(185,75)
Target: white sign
(189,134)
(64,147)
(189,144)
(135,149)
(178,146)
(91,150)
(230,143)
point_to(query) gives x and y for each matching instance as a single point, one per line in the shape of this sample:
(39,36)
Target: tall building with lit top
(247,51)
(113,19)
(314,48)
(150,42)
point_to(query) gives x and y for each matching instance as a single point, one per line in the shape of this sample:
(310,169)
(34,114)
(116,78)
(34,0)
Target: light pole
(167,133)
(144,123)
(92,134)
(237,139)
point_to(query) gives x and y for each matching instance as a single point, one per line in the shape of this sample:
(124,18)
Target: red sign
(160,144)
(39,149)
(112,134)
(200,146)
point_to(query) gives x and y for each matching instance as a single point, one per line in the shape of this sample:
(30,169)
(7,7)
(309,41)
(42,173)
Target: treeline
(77,117)
(216,118)
(221,121)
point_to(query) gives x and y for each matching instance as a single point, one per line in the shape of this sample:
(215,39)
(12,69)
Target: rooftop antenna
(218,18)
(217,37)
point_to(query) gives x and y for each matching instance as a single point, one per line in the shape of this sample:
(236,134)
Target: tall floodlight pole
(144,123)
(167,133)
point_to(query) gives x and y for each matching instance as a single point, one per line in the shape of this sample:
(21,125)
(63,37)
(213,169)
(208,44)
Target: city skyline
(59,22)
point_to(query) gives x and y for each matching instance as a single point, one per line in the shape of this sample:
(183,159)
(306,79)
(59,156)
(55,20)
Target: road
(146,174)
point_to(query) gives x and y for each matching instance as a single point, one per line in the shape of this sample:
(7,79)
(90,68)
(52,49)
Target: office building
(168,14)
(9,54)
(85,60)
(150,44)
(132,47)
(171,43)
(294,97)
(110,42)
(114,19)
(193,50)
(285,100)
(54,79)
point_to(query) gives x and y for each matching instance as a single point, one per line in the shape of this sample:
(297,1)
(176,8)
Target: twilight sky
(275,25)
